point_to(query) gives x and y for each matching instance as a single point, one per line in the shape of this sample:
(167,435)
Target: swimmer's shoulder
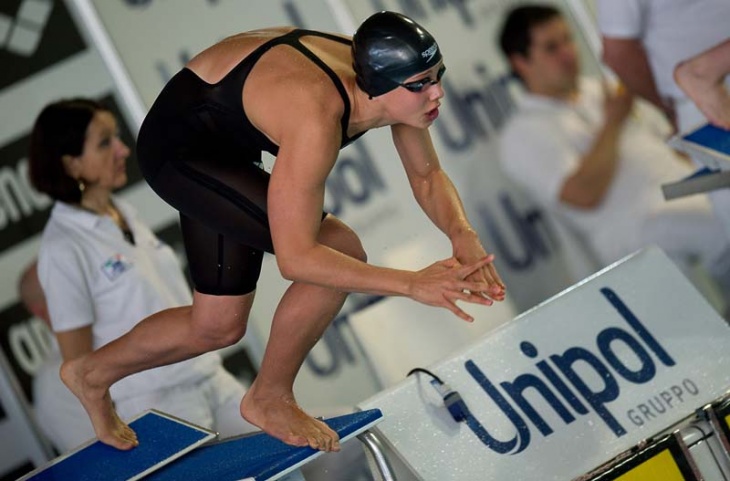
(213,63)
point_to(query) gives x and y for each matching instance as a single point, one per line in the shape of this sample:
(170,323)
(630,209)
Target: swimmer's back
(215,62)
(280,80)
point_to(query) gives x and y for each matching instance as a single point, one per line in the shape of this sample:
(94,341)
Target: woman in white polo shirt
(102,270)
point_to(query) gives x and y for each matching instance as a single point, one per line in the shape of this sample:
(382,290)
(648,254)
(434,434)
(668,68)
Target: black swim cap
(388,48)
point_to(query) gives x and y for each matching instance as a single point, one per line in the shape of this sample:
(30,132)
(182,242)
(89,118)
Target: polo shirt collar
(530,101)
(84,218)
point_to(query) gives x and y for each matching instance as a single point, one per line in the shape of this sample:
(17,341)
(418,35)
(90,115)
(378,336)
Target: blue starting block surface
(257,457)
(162,438)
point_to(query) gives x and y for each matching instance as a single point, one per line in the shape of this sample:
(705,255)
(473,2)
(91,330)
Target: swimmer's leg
(169,336)
(301,318)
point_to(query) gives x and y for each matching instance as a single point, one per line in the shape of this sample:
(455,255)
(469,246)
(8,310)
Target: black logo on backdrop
(34,34)
(24,211)
(25,342)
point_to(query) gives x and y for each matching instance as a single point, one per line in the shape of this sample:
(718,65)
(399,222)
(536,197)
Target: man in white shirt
(591,157)
(645,40)
(643,43)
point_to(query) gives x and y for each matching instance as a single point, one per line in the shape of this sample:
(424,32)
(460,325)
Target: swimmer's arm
(75,343)
(438,198)
(295,202)
(431,186)
(307,152)
(295,199)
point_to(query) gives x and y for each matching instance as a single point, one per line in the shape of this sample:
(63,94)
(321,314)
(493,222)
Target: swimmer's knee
(221,324)
(218,336)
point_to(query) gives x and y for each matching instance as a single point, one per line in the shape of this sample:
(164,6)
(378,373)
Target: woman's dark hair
(59,130)
(515,37)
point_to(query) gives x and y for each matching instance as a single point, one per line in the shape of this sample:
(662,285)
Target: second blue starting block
(174,449)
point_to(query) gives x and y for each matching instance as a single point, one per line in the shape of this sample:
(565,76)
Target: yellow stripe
(660,467)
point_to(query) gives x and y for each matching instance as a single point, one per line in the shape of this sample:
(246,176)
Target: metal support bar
(373,444)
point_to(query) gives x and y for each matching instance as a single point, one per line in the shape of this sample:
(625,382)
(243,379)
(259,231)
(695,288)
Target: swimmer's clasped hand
(443,283)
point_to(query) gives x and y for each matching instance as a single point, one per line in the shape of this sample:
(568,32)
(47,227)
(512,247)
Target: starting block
(163,438)
(173,449)
(258,457)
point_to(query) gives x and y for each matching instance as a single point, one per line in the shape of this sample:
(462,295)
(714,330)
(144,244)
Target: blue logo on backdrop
(340,341)
(475,112)
(535,237)
(556,393)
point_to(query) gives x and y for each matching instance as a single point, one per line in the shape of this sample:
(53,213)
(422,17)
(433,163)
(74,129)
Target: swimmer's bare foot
(109,428)
(707,92)
(281,417)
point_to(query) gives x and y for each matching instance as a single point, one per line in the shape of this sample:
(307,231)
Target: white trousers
(58,413)
(212,403)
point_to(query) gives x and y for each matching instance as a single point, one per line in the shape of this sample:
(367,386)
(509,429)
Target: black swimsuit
(201,154)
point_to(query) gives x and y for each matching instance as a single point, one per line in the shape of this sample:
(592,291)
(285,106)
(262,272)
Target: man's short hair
(515,37)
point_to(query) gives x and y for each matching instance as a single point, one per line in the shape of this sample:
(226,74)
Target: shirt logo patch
(115,266)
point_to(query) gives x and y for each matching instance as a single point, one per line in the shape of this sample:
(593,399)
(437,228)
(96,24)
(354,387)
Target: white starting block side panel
(569,384)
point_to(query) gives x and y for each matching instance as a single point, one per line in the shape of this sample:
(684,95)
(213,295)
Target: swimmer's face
(418,98)
(103,161)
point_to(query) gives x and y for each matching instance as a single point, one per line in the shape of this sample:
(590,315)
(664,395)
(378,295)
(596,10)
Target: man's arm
(587,186)
(627,58)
